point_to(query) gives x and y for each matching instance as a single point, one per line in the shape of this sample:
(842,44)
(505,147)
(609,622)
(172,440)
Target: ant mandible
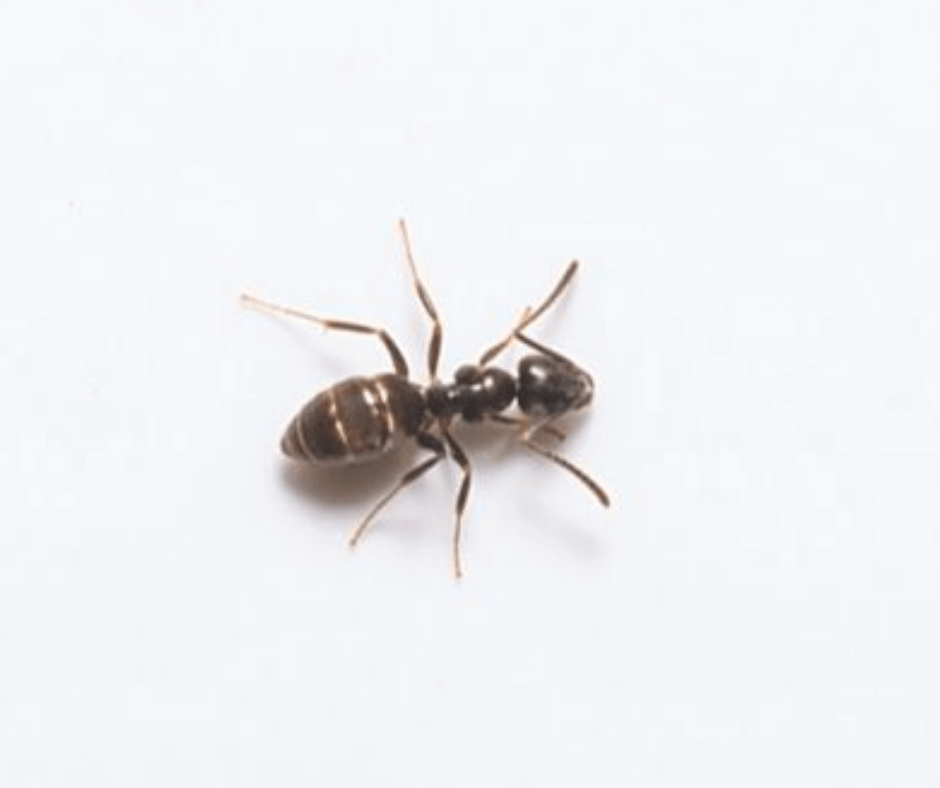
(360,418)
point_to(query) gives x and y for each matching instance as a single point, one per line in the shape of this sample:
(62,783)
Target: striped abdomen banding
(355,420)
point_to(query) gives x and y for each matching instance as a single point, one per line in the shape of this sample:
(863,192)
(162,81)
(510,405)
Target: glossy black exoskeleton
(361,418)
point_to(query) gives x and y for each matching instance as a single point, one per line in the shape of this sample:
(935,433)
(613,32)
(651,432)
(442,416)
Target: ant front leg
(512,421)
(527,440)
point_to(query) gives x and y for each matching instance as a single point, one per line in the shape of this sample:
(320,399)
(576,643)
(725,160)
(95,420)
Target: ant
(360,418)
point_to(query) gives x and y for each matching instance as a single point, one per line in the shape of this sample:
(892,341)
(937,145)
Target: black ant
(360,418)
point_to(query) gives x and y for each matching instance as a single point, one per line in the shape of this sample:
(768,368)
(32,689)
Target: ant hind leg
(398,359)
(425,440)
(460,457)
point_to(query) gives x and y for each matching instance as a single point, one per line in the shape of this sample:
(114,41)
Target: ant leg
(569,466)
(511,421)
(530,316)
(463,461)
(398,360)
(437,332)
(425,440)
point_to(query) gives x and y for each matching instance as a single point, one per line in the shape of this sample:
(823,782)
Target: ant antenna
(530,316)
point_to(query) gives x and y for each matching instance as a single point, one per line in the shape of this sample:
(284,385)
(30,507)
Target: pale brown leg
(512,421)
(526,439)
(437,333)
(398,360)
(569,466)
(427,441)
(462,495)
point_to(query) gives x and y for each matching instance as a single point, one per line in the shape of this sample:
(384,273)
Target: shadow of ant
(351,488)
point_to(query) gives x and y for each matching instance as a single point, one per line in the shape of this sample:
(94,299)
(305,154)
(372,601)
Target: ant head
(552,385)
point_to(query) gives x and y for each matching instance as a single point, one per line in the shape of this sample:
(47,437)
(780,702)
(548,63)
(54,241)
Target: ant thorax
(476,392)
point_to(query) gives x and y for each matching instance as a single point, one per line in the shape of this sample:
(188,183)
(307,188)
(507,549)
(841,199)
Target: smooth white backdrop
(754,193)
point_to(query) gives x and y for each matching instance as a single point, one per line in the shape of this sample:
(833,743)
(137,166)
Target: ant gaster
(360,418)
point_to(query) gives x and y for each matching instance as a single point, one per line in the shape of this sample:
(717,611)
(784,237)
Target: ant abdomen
(355,420)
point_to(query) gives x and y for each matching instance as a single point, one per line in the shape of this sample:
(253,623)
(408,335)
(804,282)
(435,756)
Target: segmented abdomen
(353,421)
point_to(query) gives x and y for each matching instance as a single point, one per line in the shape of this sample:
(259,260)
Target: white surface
(754,191)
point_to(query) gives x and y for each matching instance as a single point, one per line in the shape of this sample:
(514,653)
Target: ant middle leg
(398,359)
(437,332)
(425,440)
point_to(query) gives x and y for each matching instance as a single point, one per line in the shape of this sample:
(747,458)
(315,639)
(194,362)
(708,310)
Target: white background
(754,191)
